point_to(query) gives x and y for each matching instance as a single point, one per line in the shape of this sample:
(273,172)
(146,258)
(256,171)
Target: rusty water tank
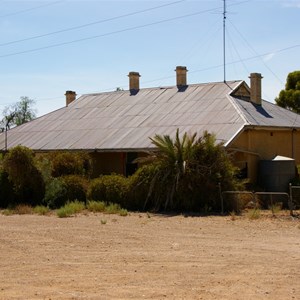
(276,174)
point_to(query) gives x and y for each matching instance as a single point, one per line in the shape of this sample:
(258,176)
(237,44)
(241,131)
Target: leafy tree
(18,113)
(290,97)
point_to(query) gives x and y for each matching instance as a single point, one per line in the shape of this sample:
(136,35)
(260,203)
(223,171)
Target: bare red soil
(96,256)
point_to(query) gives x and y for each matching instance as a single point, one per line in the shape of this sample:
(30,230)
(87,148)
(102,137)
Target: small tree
(18,114)
(290,97)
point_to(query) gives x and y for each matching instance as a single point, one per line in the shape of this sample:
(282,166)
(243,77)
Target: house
(114,127)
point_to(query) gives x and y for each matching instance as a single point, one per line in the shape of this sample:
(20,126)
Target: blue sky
(48,47)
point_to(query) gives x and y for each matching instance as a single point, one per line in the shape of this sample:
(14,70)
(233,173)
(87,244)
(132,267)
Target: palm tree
(187,171)
(172,159)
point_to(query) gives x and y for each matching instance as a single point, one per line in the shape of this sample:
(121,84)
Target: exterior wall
(107,163)
(255,145)
(113,162)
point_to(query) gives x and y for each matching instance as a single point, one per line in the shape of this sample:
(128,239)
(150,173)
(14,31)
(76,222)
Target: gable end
(242,92)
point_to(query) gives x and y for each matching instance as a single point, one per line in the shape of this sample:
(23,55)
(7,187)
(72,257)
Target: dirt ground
(142,256)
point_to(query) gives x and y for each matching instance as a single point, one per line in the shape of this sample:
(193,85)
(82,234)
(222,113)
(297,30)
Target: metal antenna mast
(224,44)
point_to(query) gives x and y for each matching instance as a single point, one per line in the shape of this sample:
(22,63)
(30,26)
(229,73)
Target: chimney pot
(70,97)
(181,76)
(134,82)
(255,88)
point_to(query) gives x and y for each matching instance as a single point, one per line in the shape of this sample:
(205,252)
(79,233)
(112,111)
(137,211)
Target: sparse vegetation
(70,209)
(41,210)
(23,209)
(254,214)
(7,212)
(96,206)
(123,212)
(232,215)
(275,208)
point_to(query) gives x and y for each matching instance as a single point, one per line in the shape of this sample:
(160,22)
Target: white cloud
(268,57)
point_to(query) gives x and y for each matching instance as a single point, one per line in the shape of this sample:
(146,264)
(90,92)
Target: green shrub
(113,208)
(109,188)
(41,210)
(64,189)
(56,193)
(70,209)
(24,176)
(64,212)
(76,187)
(139,196)
(123,212)
(96,206)
(70,163)
(7,212)
(76,206)
(43,164)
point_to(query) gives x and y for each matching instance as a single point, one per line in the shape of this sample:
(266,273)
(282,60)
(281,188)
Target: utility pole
(224,39)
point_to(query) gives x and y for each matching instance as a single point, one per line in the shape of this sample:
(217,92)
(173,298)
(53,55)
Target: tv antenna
(224,40)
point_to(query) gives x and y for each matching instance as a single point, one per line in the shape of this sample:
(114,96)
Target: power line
(169,77)
(90,24)
(249,58)
(113,32)
(30,9)
(104,34)
(255,52)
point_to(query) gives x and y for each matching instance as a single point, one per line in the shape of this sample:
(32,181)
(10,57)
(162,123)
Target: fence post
(291,199)
(221,198)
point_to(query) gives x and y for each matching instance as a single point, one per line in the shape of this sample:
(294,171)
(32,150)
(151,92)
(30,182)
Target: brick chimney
(255,88)
(70,97)
(134,82)
(181,76)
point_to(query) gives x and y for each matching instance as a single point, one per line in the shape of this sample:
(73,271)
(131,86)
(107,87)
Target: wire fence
(239,200)
(295,196)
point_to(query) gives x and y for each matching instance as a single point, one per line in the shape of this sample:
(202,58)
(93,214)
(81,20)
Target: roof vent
(181,76)
(70,97)
(255,88)
(134,82)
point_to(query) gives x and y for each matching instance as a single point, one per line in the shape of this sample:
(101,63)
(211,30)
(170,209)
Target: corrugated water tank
(275,175)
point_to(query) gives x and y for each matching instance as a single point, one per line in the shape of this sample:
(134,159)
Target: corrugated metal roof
(268,114)
(117,120)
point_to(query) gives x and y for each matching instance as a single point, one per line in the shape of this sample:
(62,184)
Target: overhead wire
(235,50)
(113,32)
(169,77)
(31,9)
(255,52)
(90,24)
